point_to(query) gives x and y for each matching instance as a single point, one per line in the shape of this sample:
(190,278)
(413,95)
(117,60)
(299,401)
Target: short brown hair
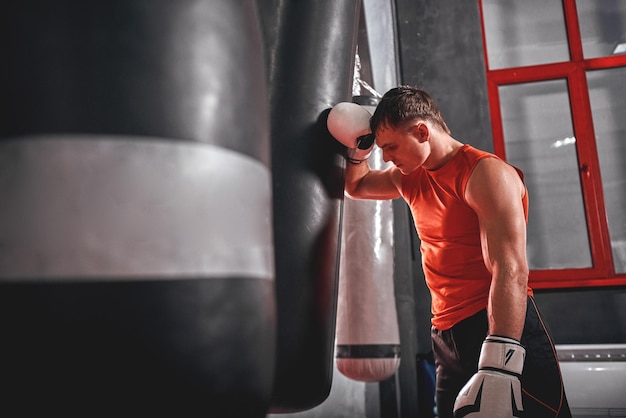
(404,104)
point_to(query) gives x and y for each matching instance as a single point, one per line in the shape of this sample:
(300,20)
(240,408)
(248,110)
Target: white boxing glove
(495,390)
(349,123)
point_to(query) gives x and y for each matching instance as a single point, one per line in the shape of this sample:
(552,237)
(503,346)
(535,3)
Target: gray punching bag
(368,338)
(313,61)
(136,251)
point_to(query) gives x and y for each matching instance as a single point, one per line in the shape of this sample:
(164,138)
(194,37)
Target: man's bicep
(495,193)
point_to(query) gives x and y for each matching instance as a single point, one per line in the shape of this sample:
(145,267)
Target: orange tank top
(450,238)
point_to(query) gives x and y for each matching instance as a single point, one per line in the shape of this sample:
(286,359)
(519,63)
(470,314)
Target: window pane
(608,105)
(539,139)
(521,33)
(602,27)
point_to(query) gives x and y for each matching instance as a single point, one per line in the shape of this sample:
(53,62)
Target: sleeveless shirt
(448,228)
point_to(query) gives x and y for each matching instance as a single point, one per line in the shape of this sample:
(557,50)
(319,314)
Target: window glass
(602,27)
(539,139)
(520,33)
(608,106)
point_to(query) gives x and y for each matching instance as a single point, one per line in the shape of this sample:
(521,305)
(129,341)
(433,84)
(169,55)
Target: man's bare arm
(364,183)
(495,193)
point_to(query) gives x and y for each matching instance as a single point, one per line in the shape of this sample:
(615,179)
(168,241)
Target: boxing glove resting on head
(348,123)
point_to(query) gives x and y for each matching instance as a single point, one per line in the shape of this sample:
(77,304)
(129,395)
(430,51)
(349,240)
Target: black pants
(456,357)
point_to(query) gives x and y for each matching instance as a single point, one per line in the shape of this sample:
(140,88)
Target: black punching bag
(136,250)
(312,67)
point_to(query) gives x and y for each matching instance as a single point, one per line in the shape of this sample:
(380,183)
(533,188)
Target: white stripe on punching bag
(368,339)
(116,208)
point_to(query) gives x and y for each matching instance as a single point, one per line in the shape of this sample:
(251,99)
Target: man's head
(405,123)
(405,104)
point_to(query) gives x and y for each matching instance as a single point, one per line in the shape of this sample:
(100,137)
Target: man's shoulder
(476,153)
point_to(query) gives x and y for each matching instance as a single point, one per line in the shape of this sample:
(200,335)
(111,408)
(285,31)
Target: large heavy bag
(136,251)
(312,66)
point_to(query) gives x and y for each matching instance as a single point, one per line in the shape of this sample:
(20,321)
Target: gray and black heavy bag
(136,252)
(312,61)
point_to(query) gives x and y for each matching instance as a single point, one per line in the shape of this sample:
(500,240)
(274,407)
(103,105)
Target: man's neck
(442,150)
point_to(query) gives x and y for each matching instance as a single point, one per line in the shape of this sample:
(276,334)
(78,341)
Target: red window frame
(602,273)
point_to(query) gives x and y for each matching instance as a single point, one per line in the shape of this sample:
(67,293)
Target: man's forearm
(507,305)
(353,176)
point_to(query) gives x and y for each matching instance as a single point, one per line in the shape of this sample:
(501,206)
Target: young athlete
(493,352)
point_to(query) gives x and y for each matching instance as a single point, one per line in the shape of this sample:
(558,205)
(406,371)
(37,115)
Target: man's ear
(421,131)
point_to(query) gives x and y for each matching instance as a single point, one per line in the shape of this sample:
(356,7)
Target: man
(470,212)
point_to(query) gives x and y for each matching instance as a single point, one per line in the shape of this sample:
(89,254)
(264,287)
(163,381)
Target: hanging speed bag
(368,340)
(136,261)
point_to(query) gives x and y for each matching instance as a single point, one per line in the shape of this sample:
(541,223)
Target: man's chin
(404,170)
